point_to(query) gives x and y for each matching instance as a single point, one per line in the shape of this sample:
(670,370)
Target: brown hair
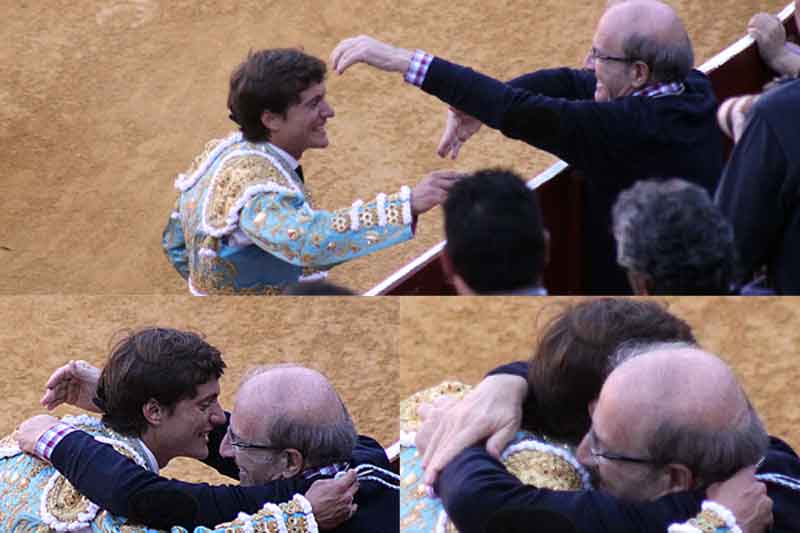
(162,364)
(270,80)
(572,358)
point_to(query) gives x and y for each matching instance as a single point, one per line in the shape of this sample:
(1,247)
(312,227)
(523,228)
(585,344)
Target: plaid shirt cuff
(418,68)
(48,442)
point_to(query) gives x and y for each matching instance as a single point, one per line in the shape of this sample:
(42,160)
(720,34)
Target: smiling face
(183,431)
(615,78)
(303,125)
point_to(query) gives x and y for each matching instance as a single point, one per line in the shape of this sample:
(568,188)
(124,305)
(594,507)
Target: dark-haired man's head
(162,385)
(574,356)
(496,242)
(672,239)
(279,96)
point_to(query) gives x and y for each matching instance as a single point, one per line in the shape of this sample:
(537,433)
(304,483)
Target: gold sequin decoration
(394,215)
(544,469)
(340,222)
(232,180)
(409,419)
(197,161)
(708,521)
(64,502)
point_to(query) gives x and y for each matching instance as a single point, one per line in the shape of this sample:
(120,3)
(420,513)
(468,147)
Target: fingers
(65,373)
(348,52)
(447,450)
(498,442)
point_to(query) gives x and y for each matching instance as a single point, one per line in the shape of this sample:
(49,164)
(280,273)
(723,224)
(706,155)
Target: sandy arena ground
(103,102)
(355,348)
(463,338)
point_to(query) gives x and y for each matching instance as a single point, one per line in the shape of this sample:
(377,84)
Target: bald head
(652,32)
(678,404)
(299,393)
(683,384)
(295,407)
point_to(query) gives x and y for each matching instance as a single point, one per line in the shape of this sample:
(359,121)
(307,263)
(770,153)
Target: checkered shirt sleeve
(50,439)
(418,68)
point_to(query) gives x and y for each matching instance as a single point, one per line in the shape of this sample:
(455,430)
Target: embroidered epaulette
(234,183)
(291,517)
(62,507)
(409,418)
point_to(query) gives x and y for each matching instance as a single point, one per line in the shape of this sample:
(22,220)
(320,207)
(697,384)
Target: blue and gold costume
(35,497)
(533,459)
(244,223)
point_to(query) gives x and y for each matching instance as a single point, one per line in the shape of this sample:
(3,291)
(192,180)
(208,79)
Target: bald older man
(288,425)
(636,111)
(669,421)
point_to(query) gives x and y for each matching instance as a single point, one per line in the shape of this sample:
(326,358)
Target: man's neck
(157,457)
(292,160)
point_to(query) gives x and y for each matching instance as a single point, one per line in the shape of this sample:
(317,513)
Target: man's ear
(272,121)
(641,74)
(294,463)
(153,412)
(680,478)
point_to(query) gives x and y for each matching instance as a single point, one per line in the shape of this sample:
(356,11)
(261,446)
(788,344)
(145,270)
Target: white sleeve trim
(405,197)
(354,222)
(381,204)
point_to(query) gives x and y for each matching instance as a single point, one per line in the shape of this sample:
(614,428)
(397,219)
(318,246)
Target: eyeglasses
(242,445)
(595,55)
(613,456)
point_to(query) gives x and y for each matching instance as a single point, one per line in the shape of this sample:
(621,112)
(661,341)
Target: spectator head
(496,242)
(672,239)
(638,43)
(287,419)
(670,418)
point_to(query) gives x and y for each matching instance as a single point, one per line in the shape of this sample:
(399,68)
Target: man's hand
(30,431)
(74,384)
(365,49)
(459,128)
(492,410)
(746,498)
(432,190)
(332,499)
(769,33)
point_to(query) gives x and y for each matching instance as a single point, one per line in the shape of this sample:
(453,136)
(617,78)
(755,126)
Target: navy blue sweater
(760,189)
(474,485)
(112,481)
(613,144)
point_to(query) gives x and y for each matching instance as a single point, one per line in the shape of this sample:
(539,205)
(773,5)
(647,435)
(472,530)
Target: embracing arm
(78,457)
(474,485)
(282,222)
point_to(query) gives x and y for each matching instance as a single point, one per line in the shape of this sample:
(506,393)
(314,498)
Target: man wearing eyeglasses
(636,111)
(288,425)
(669,423)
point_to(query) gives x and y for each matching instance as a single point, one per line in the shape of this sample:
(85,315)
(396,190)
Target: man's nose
(582,453)
(327,110)
(225,447)
(217,415)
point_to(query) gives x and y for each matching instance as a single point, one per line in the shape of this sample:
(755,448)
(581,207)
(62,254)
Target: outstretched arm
(285,225)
